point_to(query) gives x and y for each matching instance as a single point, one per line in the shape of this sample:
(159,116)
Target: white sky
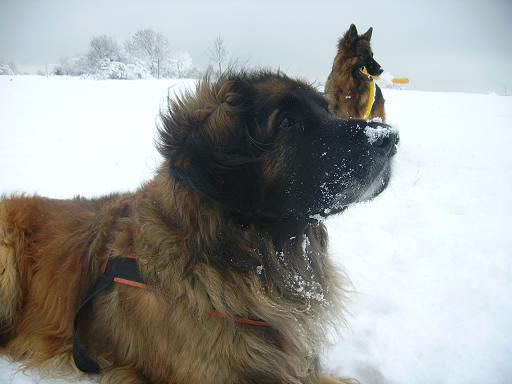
(456,45)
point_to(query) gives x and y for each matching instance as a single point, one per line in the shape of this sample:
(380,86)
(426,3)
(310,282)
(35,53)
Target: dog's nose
(386,141)
(379,71)
(383,137)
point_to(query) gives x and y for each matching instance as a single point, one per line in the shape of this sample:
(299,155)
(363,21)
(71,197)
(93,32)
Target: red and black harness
(122,270)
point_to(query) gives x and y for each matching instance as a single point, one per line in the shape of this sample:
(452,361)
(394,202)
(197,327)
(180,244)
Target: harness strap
(241,320)
(122,270)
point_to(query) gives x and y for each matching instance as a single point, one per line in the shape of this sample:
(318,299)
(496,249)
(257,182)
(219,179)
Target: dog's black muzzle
(373,68)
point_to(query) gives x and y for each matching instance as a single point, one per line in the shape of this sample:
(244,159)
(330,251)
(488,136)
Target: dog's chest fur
(185,256)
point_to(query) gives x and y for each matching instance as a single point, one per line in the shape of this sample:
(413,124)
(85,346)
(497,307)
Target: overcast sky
(455,45)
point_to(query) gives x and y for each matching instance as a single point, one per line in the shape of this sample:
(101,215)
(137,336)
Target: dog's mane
(290,256)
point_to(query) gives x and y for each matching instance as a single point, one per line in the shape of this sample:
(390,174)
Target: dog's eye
(285,122)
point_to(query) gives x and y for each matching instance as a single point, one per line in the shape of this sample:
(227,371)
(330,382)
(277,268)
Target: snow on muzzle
(383,136)
(356,162)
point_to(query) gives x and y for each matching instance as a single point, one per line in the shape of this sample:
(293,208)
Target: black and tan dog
(350,87)
(237,284)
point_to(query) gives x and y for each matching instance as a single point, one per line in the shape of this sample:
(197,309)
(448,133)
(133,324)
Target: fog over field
(454,45)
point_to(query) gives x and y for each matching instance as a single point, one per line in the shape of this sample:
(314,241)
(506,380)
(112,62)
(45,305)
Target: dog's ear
(205,139)
(352,31)
(349,38)
(368,35)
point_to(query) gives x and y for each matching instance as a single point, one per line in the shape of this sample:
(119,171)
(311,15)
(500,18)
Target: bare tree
(181,63)
(151,47)
(218,53)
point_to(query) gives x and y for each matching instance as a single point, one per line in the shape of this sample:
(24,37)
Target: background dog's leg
(379,112)
(330,380)
(122,375)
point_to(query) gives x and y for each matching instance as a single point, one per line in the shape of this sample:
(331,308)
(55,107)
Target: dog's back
(48,252)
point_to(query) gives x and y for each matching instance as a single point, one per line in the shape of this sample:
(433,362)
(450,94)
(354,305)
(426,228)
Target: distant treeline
(144,55)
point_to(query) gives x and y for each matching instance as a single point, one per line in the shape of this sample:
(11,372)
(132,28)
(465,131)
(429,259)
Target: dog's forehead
(272,85)
(363,45)
(276,90)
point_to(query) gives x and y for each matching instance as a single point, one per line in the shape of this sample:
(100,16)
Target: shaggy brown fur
(202,251)
(347,89)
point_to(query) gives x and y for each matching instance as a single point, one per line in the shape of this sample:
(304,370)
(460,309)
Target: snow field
(429,259)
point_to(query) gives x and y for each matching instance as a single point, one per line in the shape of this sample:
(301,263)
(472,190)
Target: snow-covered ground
(430,259)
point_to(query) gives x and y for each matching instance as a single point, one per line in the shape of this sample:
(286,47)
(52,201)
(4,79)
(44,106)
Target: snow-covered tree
(181,64)
(8,68)
(146,54)
(150,47)
(103,48)
(137,70)
(111,70)
(75,66)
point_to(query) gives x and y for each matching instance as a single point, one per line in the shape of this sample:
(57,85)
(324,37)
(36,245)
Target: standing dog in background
(350,87)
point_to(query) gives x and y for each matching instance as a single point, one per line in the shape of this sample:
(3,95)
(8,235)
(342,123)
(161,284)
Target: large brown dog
(226,235)
(349,85)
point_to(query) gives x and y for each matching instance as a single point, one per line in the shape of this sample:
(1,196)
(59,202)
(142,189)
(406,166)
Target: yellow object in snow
(371,100)
(400,80)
